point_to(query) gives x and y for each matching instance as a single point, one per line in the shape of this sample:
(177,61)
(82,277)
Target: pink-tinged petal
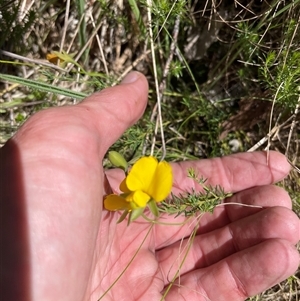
(114,202)
(162,182)
(123,187)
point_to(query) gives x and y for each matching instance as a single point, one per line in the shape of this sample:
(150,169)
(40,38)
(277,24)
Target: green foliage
(80,5)
(138,16)
(13,26)
(132,141)
(193,203)
(281,70)
(247,37)
(275,63)
(165,11)
(176,69)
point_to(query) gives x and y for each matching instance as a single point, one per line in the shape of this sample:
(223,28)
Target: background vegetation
(224,75)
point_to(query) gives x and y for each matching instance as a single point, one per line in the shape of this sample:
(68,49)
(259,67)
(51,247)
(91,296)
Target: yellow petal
(162,182)
(114,202)
(141,174)
(140,198)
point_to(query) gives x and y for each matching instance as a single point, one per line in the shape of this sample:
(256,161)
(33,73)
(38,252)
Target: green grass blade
(137,15)
(82,26)
(42,86)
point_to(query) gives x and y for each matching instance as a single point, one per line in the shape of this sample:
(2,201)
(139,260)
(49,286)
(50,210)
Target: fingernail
(130,78)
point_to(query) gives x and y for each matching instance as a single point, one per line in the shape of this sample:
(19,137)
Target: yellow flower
(54,58)
(147,180)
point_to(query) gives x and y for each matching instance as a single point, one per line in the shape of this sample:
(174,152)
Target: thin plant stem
(149,6)
(129,263)
(64,32)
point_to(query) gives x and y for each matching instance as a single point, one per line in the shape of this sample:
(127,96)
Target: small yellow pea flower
(54,58)
(61,58)
(147,180)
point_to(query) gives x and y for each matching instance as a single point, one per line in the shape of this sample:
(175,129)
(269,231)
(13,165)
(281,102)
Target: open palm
(61,245)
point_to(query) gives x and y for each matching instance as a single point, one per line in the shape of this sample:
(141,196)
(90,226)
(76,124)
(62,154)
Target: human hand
(61,245)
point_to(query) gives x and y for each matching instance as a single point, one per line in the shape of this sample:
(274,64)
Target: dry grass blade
(158,95)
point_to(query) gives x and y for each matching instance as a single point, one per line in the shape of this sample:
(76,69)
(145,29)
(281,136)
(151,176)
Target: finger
(233,173)
(115,109)
(207,249)
(241,275)
(262,196)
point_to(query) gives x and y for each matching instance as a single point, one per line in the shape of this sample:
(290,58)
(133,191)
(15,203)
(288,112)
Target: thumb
(115,109)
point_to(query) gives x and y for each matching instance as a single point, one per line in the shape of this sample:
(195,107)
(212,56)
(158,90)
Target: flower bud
(117,160)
